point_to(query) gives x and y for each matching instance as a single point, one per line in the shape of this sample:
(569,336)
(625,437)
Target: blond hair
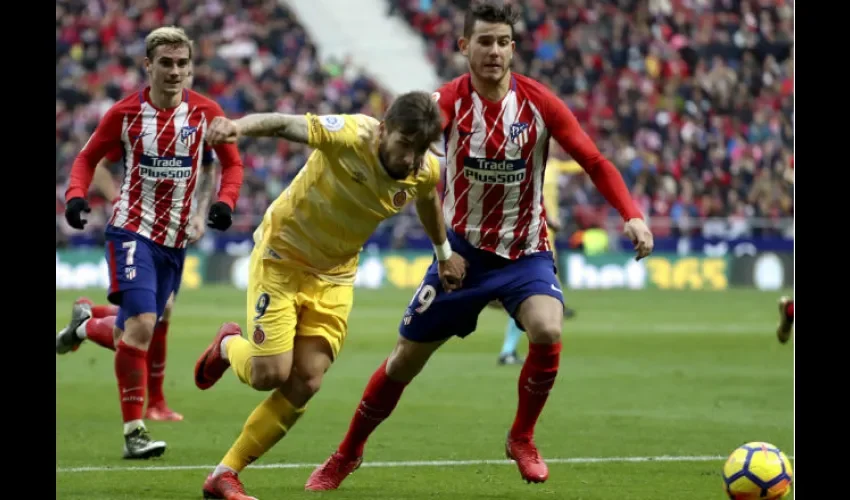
(166,35)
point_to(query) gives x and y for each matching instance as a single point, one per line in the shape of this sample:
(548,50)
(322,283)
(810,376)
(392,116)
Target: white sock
(221,468)
(223,346)
(132,425)
(81,330)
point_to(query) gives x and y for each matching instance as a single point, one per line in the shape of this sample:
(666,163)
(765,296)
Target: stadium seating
(245,64)
(694,106)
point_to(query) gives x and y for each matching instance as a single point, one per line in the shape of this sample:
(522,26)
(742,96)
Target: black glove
(72,212)
(220,216)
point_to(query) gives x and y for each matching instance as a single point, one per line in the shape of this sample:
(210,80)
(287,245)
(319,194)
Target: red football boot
(211,365)
(225,486)
(330,474)
(160,412)
(524,452)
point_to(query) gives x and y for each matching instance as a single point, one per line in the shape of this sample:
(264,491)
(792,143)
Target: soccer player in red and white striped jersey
(99,328)
(161,130)
(497,130)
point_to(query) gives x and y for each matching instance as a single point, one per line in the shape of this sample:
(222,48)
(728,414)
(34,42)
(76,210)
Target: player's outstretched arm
(290,127)
(605,176)
(452,266)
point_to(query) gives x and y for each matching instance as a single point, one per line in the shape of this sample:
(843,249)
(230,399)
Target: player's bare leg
(542,317)
(786,319)
(158,409)
(298,375)
(379,400)
(131,372)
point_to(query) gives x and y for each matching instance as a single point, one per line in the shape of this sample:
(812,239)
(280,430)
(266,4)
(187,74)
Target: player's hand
(641,236)
(196,229)
(73,210)
(452,271)
(222,131)
(220,216)
(554,224)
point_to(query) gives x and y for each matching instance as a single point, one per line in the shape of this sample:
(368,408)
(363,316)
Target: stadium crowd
(250,55)
(691,99)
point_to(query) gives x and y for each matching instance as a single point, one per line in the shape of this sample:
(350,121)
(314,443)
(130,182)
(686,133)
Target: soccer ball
(757,471)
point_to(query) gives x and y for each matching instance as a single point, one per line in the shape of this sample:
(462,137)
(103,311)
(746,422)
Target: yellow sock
(266,425)
(238,351)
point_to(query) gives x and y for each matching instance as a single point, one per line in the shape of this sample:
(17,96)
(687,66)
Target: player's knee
(408,358)
(268,373)
(166,313)
(544,333)
(138,330)
(311,383)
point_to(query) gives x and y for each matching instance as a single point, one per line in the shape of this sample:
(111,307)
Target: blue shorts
(435,315)
(142,274)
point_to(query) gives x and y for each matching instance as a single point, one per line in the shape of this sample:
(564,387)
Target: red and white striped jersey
(495,161)
(163,151)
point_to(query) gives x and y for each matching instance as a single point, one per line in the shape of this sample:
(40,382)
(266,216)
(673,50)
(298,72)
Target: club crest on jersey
(259,334)
(399,199)
(187,135)
(519,133)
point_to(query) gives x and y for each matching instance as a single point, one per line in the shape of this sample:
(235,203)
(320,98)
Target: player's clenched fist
(452,271)
(73,210)
(641,236)
(222,131)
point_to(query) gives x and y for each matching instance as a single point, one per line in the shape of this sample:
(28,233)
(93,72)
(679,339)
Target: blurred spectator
(250,56)
(691,99)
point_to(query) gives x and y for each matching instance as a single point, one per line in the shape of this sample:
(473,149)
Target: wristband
(443,251)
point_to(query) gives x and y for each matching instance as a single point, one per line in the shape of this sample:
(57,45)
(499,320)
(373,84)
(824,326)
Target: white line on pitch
(416,463)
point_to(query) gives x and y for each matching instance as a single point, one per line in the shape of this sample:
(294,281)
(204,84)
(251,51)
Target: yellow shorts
(284,302)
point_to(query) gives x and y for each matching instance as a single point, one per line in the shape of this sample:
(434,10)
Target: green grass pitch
(655,389)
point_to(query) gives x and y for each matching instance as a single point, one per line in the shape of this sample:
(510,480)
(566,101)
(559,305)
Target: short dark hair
(490,11)
(417,116)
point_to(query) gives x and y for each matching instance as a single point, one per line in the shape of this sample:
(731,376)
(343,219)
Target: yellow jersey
(322,220)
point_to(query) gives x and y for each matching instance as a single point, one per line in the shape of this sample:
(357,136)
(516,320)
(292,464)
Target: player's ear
(463,45)
(147,65)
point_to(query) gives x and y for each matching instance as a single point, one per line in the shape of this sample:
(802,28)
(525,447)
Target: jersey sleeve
(565,129)
(332,132)
(106,138)
(445,97)
(232,170)
(115,154)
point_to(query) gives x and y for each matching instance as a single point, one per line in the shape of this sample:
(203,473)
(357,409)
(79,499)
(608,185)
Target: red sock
(156,365)
(535,381)
(104,311)
(130,368)
(99,331)
(379,400)
(789,309)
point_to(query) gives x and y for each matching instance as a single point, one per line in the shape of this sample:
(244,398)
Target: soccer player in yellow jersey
(554,168)
(300,287)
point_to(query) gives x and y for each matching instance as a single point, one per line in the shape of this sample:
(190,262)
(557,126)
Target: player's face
(170,68)
(399,154)
(489,50)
